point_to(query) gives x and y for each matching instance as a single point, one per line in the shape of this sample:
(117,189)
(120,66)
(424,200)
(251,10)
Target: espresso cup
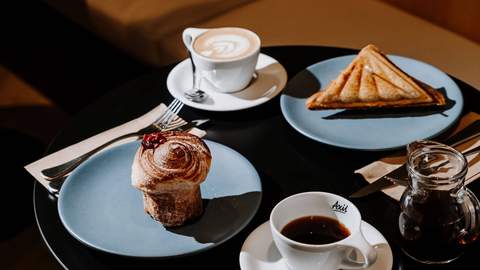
(225,57)
(327,256)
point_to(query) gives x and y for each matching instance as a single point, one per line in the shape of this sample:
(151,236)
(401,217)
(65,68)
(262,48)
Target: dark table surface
(287,162)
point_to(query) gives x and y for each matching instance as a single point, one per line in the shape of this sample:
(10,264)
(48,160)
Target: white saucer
(259,252)
(269,82)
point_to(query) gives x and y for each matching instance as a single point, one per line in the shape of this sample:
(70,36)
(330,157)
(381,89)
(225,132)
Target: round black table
(287,162)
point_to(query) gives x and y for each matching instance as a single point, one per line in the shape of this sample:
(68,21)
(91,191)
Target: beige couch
(148,29)
(151,29)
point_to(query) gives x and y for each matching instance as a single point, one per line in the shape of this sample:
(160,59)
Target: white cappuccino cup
(225,57)
(329,256)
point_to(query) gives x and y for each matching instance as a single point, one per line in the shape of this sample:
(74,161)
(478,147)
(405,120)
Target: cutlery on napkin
(377,169)
(88,144)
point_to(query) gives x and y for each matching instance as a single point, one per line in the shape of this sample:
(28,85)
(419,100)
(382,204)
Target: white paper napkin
(379,168)
(86,145)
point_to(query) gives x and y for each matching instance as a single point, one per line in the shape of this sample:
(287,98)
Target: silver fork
(164,122)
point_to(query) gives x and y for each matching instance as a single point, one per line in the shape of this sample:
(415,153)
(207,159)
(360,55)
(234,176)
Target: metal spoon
(194,94)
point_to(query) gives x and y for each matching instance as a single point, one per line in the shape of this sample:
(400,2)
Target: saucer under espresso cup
(270,80)
(319,230)
(226,57)
(260,253)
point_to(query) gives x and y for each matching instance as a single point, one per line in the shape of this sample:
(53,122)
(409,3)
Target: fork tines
(171,113)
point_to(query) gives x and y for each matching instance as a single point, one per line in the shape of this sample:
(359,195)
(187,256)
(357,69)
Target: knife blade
(191,124)
(470,132)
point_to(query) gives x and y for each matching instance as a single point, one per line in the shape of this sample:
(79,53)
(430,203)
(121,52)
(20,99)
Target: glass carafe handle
(471,208)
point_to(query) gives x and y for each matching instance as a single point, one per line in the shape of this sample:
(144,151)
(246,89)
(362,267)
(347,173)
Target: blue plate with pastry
(172,194)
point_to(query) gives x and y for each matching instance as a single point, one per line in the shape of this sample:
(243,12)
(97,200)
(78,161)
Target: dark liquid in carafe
(315,230)
(435,230)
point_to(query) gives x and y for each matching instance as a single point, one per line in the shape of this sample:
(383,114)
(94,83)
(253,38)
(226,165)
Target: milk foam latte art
(226,43)
(224,58)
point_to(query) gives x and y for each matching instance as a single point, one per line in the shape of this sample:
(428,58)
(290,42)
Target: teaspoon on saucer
(194,94)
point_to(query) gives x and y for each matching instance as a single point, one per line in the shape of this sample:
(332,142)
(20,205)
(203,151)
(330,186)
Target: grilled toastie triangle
(372,81)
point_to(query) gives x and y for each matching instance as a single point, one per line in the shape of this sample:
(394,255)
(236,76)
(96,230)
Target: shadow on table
(303,85)
(18,149)
(222,217)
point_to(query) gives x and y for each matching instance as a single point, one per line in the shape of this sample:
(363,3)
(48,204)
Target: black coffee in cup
(315,230)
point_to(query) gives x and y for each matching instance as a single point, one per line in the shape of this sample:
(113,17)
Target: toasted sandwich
(373,81)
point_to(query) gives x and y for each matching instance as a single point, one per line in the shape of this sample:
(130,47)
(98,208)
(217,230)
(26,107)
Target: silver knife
(192,124)
(397,176)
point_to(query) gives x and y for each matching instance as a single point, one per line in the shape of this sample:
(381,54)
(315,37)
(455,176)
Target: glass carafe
(439,215)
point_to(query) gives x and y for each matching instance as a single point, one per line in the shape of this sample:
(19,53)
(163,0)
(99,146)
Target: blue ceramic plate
(369,130)
(99,207)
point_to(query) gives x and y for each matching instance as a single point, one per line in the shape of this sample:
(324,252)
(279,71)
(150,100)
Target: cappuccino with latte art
(223,59)
(226,43)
